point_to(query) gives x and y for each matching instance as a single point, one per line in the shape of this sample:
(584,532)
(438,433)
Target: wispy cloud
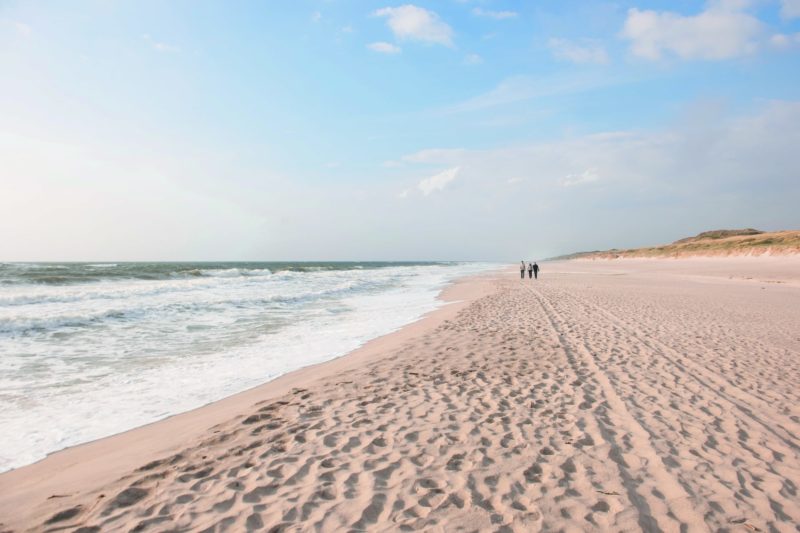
(722,31)
(415,23)
(158,45)
(22,28)
(384,48)
(585,52)
(790,9)
(473,59)
(587,176)
(316,16)
(497,15)
(438,182)
(435,155)
(522,88)
(785,41)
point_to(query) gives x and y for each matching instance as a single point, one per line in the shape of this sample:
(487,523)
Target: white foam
(83,362)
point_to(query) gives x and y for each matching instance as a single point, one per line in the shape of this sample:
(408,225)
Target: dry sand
(623,395)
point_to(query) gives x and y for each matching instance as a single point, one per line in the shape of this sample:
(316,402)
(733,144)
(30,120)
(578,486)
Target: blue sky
(374,130)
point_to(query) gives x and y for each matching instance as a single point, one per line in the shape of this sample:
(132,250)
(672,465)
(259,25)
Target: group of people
(533,270)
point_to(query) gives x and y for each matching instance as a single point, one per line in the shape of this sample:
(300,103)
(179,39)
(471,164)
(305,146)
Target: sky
(360,130)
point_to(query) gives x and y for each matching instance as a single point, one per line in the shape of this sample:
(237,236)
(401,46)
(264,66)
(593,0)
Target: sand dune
(717,243)
(630,399)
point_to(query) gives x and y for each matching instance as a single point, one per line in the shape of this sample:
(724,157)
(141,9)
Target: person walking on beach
(530,270)
(536,270)
(522,269)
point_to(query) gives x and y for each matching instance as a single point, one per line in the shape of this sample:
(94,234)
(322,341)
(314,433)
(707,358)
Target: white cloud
(522,88)
(783,41)
(587,176)
(587,52)
(438,182)
(732,5)
(414,23)
(790,9)
(384,48)
(22,28)
(316,16)
(161,47)
(514,180)
(435,155)
(164,47)
(644,176)
(473,59)
(722,31)
(497,15)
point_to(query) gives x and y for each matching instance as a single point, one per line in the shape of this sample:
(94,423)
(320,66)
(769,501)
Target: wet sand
(626,395)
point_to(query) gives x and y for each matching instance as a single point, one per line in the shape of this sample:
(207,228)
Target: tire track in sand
(719,385)
(650,486)
(726,455)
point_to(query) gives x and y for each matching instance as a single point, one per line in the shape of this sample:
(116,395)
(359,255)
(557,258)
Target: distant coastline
(716,243)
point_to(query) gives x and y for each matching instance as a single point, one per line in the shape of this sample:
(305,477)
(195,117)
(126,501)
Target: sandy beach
(655,395)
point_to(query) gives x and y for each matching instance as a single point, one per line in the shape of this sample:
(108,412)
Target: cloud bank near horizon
(566,195)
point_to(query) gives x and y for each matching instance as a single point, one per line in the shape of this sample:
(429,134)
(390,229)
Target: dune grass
(711,243)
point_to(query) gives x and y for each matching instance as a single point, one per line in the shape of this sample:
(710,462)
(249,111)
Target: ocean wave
(88,273)
(250,279)
(235,272)
(141,307)
(99,292)
(23,325)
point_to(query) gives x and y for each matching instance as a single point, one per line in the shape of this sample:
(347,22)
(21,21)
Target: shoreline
(98,462)
(625,396)
(89,353)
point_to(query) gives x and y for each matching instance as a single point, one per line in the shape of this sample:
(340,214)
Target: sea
(88,350)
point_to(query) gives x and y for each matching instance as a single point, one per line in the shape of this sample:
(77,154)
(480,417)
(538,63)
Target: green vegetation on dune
(710,243)
(720,234)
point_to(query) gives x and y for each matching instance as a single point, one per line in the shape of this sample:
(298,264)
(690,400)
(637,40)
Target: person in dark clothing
(522,269)
(530,270)
(536,270)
